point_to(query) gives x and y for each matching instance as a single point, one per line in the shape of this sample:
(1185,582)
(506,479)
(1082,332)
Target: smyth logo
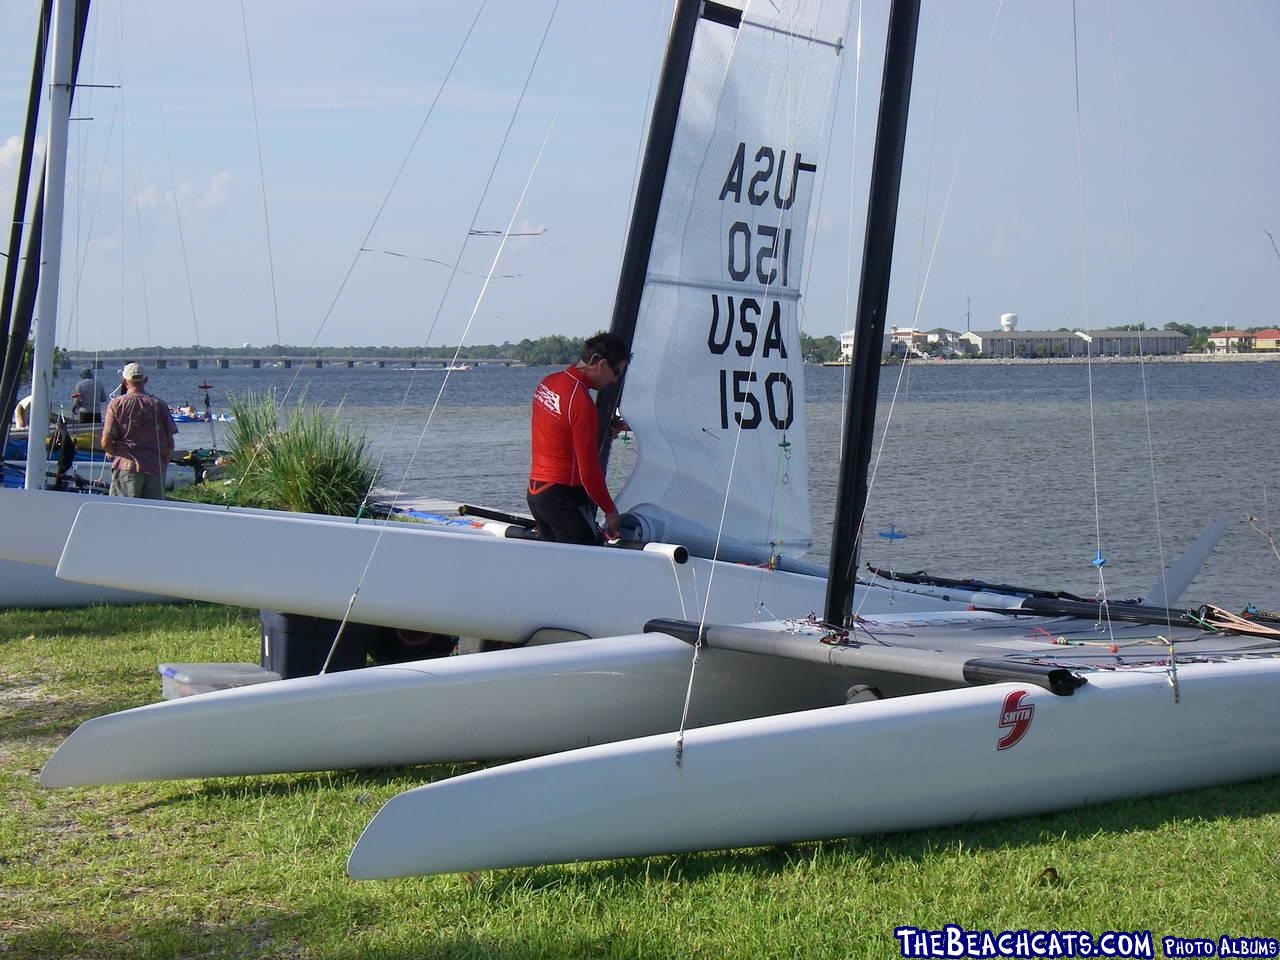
(1015,716)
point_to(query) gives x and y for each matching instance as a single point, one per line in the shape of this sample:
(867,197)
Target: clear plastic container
(188,679)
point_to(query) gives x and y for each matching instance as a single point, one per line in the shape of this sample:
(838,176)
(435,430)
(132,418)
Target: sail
(715,390)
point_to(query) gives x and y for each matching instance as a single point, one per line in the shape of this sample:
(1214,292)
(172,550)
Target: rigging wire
(515,213)
(406,256)
(1138,314)
(454,267)
(790,103)
(650,90)
(850,220)
(83,241)
(942,219)
(928,177)
(137,211)
(782,473)
(386,197)
(262,176)
(173,182)
(1099,560)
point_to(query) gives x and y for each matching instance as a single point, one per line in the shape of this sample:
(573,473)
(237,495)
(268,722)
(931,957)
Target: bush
(310,465)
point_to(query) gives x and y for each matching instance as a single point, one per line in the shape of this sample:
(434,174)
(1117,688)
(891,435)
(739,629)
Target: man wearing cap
(137,433)
(90,398)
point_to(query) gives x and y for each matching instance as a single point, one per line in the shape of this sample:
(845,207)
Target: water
(992,471)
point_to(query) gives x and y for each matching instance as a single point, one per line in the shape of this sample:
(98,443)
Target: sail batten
(715,390)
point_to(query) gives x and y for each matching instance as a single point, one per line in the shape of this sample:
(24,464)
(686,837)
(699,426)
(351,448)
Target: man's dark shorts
(564,514)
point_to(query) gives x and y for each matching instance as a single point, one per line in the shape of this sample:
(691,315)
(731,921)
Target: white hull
(429,579)
(503,704)
(31,586)
(36,524)
(889,765)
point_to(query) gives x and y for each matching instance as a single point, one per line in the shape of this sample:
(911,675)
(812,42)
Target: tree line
(544,351)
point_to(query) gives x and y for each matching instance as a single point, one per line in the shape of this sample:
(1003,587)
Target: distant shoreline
(1046,361)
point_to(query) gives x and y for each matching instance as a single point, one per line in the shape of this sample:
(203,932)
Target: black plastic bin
(294,645)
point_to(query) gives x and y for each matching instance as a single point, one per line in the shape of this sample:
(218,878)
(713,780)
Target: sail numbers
(758,254)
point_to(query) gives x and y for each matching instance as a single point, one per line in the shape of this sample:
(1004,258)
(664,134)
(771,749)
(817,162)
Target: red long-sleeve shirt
(563,431)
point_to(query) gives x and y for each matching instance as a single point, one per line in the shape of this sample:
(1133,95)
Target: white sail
(715,391)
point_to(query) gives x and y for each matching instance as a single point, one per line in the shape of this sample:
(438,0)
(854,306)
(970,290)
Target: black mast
(24,310)
(653,177)
(20,194)
(873,295)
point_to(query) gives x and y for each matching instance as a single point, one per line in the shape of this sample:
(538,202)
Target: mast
(62,80)
(20,195)
(653,178)
(873,296)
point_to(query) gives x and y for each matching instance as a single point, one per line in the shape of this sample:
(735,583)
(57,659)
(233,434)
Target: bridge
(99,362)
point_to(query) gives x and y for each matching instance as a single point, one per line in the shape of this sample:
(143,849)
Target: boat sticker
(1016,717)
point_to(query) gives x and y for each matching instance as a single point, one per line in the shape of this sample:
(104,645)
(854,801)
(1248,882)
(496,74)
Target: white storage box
(187,679)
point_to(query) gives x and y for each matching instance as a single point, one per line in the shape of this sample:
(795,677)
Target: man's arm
(169,432)
(582,421)
(108,428)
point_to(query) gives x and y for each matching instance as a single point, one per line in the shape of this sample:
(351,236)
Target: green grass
(253,867)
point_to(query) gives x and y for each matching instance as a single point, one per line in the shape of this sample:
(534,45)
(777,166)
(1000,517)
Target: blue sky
(991,209)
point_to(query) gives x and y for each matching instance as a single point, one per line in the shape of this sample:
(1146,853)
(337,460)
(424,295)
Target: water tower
(1008,322)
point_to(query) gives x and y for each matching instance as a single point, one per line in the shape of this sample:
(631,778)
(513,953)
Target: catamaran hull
(889,765)
(511,703)
(36,524)
(467,584)
(28,585)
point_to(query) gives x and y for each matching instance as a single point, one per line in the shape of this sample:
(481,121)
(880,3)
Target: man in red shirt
(566,482)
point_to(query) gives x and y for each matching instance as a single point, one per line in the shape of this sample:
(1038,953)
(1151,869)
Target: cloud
(10,155)
(212,196)
(218,192)
(148,197)
(9,151)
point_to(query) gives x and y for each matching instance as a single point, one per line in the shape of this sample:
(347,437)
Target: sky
(1152,207)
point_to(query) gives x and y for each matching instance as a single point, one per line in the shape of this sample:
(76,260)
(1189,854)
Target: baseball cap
(133,371)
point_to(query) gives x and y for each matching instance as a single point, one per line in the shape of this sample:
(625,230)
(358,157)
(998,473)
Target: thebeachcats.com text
(954,941)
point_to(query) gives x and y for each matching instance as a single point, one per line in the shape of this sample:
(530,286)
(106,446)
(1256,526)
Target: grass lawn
(253,867)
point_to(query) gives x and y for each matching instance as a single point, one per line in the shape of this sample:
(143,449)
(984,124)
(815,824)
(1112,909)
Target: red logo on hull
(1016,717)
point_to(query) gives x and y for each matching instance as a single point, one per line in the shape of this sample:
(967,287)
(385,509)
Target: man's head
(86,374)
(134,374)
(604,358)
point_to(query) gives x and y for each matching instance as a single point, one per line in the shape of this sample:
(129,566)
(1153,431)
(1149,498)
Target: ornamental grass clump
(307,464)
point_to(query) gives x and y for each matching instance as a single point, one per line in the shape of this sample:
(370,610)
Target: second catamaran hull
(890,765)
(503,704)
(466,584)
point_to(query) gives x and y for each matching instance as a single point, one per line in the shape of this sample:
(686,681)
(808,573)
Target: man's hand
(618,426)
(611,527)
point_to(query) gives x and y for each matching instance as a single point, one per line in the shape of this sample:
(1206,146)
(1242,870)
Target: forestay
(715,391)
